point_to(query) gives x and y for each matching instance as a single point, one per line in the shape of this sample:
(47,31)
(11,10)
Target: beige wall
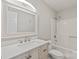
(67,29)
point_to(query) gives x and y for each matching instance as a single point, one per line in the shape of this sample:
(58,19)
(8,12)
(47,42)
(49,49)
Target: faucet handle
(20,41)
(54,36)
(25,40)
(29,39)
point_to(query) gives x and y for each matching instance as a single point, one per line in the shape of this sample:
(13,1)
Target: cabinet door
(34,54)
(43,52)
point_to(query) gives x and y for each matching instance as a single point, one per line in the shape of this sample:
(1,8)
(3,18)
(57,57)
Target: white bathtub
(68,53)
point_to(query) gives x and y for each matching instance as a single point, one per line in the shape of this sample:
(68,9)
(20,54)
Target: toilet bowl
(55,54)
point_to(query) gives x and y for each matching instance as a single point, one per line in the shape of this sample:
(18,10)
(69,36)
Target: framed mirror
(18,20)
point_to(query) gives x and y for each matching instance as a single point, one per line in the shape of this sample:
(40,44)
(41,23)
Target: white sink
(31,42)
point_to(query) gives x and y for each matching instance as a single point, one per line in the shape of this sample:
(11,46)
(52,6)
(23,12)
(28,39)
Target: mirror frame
(10,35)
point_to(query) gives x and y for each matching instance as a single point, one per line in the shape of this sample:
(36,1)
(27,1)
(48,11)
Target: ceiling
(60,5)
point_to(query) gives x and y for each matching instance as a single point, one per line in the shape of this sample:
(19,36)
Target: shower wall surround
(67,29)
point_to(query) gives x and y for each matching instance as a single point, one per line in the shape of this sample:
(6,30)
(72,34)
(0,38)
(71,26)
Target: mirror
(12,21)
(18,20)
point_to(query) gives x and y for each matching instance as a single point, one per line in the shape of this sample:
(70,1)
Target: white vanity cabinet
(37,49)
(37,53)
(43,52)
(33,54)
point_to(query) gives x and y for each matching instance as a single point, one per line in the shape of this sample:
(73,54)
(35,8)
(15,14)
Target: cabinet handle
(29,57)
(44,50)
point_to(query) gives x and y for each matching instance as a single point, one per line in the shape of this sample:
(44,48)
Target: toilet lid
(55,52)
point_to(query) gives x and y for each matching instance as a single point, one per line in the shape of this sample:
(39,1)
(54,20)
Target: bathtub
(68,53)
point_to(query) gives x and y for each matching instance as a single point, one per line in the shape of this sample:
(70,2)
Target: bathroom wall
(45,13)
(67,28)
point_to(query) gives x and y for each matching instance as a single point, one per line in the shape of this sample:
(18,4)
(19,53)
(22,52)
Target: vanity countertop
(16,49)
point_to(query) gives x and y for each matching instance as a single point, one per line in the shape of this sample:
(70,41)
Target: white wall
(44,16)
(67,29)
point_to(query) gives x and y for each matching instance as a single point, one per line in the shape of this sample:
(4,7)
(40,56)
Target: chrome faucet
(20,41)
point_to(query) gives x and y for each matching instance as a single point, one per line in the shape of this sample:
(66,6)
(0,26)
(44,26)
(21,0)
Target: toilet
(55,54)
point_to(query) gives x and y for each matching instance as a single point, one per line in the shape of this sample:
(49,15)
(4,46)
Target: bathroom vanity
(35,49)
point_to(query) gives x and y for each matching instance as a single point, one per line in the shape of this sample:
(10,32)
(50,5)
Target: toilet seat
(56,53)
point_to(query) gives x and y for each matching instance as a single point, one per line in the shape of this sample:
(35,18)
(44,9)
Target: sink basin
(31,43)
